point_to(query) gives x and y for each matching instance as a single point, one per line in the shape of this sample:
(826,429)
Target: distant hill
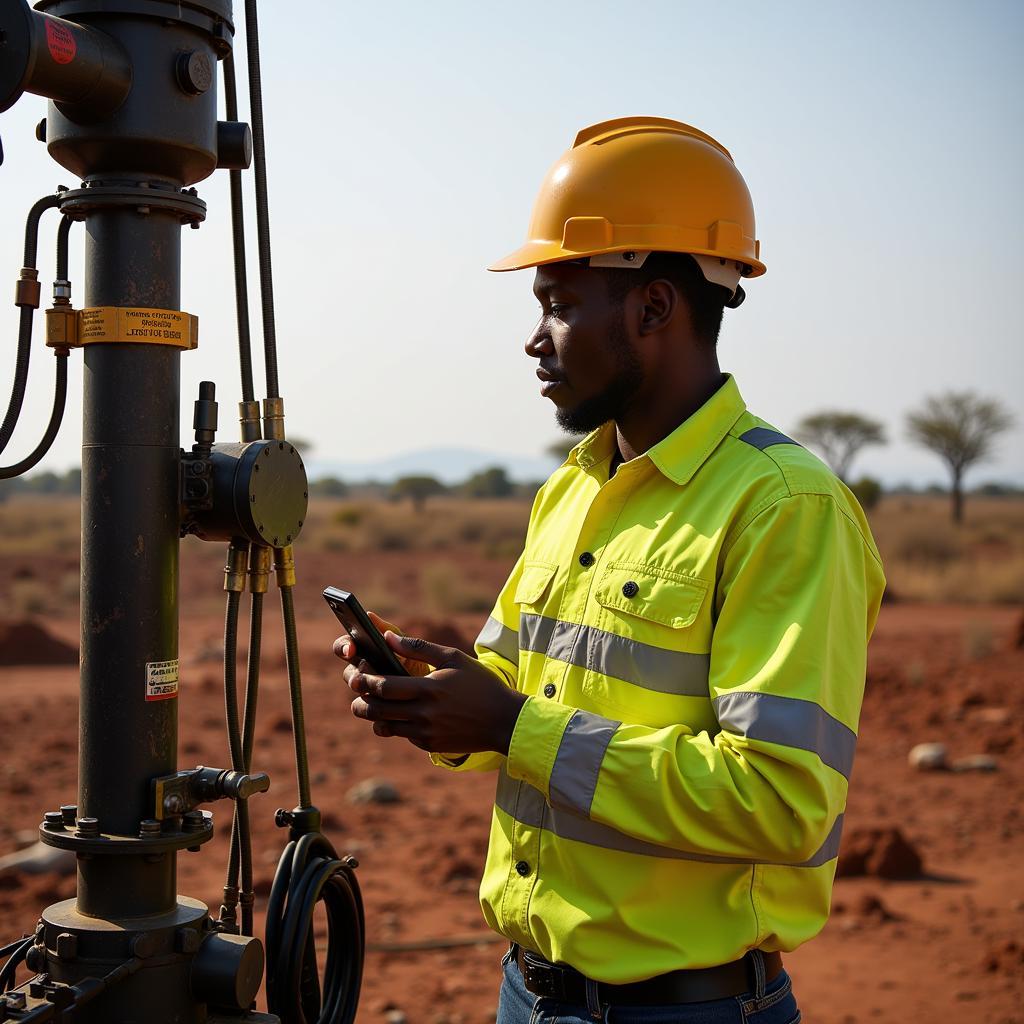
(449,465)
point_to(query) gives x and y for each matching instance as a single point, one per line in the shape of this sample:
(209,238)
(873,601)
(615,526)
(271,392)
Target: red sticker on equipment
(60,42)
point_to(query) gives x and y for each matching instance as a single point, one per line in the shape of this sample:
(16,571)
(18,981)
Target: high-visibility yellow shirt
(691,634)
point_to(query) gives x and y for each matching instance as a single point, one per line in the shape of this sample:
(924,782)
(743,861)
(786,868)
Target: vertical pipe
(130,466)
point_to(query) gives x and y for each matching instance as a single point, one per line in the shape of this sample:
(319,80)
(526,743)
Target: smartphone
(371,646)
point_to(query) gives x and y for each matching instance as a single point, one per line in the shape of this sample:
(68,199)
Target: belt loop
(757,958)
(593,1000)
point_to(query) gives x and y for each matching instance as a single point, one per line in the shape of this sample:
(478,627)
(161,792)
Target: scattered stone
(972,699)
(1007,958)
(928,757)
(881,852)
(1000,744)
(990,716)
(280,723)
(871,907)
(39,859)
(374,791)
(27,643)
(976,763)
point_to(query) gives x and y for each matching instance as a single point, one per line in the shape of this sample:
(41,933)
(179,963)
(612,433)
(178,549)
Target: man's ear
(660,303)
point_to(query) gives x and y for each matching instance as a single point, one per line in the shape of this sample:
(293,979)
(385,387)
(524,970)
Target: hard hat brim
(538,253)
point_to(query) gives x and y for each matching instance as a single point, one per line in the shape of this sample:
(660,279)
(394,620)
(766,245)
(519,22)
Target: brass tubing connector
(236,566)
(27,290)
(249,420)
(260,562)
(284,564)
(273,419)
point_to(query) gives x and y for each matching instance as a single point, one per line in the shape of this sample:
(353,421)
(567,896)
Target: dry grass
(928,558)
(494,528)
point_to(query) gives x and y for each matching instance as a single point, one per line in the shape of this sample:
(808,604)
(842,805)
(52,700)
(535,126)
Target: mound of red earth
(27,643)
(881,852)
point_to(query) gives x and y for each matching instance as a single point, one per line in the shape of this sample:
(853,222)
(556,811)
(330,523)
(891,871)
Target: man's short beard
(616,399)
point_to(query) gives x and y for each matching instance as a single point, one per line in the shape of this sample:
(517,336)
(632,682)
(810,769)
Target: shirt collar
(679,455)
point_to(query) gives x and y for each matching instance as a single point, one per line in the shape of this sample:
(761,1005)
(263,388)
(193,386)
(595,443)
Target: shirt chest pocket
(653,605)
(534,585)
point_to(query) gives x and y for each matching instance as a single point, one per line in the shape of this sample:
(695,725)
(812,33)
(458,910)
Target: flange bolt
(88,828)
(149,828)
(69,812)
(53,821)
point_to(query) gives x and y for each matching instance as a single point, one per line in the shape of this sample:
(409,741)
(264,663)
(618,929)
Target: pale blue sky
(881,141)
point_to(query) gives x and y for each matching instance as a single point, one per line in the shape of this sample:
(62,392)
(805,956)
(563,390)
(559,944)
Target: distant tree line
(43,483)
(958,426)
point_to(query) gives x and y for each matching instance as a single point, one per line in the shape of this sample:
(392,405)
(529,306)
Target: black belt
(697,985)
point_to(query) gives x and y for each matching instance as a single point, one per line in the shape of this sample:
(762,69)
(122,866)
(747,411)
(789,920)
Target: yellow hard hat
(637,185)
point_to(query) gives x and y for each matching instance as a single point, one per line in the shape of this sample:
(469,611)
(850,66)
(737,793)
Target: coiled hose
(309,871)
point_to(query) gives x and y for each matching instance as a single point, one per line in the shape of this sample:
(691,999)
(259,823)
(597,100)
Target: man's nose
(539,342)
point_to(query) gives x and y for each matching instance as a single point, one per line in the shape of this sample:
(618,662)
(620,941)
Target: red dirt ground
(942,947)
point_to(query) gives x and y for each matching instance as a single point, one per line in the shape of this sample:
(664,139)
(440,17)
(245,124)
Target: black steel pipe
(130,467)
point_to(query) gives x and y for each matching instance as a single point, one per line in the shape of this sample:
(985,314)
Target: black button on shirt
(549,690)
(630,589)
(587,559)
(523,868)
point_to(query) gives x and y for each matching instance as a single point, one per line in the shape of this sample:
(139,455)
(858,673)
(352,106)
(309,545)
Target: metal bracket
(177,794)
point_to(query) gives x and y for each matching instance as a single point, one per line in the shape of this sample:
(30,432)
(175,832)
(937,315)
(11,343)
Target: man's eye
(557,309)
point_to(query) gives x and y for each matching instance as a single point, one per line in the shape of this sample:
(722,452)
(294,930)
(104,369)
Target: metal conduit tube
(259,162)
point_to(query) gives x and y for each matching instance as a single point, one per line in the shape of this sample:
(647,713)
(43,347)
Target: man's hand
(461,706)
(345,648)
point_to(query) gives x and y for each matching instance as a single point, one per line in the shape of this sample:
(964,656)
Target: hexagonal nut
(67,946)
(187,940)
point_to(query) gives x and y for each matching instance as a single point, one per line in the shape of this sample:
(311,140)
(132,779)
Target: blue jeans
(776,1005)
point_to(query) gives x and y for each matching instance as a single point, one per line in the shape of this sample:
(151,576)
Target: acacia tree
(417,489)
(840,435)
(961,428)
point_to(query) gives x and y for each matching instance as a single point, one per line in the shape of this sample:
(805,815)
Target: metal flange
(109,844)
(143,196)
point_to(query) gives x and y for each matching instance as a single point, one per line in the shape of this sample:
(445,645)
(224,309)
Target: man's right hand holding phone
(448,702)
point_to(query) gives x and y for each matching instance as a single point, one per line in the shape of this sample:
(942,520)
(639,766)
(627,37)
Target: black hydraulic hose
(12,946)
(310,871)
(10,969)
(60,394)
(234,738)
(259,153)
(238,243)
(32,227)
(17,398)
(241,837)
(231,678)
(62,247)
(291,647)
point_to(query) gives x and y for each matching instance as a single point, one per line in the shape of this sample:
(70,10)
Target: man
(670,682)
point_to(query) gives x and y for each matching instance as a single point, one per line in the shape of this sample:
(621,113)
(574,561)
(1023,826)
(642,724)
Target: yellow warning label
(113,324)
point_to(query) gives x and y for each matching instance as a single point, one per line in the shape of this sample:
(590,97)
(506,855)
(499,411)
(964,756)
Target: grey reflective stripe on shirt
(578,761)
(645,665)
(524,803)
(497,637)
(789,722)
(763,437)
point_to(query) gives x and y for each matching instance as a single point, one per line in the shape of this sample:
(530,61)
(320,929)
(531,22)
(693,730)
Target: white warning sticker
(161,679)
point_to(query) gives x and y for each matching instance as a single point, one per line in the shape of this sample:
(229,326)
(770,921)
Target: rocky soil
(928,914)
